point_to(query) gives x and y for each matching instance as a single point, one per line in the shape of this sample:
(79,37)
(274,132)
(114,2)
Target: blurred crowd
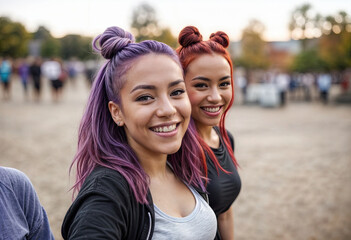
(267,88)
(275,88)
(32,71)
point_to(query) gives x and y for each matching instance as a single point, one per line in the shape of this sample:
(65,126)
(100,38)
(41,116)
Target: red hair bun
(221,38)
(188,36)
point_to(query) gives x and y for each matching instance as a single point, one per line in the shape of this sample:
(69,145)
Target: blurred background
(291,119)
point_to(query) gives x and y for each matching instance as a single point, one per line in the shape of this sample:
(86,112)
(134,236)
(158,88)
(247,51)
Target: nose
(214,95)
(165,108)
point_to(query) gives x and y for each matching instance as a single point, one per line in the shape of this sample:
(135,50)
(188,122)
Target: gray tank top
(201,223)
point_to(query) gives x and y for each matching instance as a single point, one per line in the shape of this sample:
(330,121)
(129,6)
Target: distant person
(242,84)
(52,71)
(307,84)
(345,82)
(5,77)
(21,214)
(293,86)
(324,81)
(23,71)
(282,81)
(138,164)
(209,82)
(35,72)
(72,71)
(90,69)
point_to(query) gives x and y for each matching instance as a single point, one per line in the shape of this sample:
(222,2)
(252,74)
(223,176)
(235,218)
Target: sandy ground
(295,162)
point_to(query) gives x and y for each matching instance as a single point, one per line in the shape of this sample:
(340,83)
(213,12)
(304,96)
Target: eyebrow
(143,87)
(207,79)
(172,84)
(152,87)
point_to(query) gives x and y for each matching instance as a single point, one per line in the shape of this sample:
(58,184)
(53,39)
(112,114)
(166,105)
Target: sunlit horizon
(90,18)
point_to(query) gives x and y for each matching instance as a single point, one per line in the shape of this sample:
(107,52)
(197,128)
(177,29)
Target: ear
(116,113)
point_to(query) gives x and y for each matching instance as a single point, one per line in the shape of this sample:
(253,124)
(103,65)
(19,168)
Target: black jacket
(106,208)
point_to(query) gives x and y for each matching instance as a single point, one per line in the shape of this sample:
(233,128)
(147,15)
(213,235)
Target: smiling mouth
(212,109)
(164,129)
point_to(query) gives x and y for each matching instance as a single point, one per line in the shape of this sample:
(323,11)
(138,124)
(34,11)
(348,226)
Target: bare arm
(226,224)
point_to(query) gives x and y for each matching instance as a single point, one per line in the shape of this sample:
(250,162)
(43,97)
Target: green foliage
(42,33)
(254,54)
(144,22)
(75,46)
(335,50)
(13,38)
(50,48)
(168,38)
(301,23)
(145,26)
(308,61)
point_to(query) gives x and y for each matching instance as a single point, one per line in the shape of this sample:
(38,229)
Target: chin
(171,149)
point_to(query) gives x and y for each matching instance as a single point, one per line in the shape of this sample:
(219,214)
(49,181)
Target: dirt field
(295,162)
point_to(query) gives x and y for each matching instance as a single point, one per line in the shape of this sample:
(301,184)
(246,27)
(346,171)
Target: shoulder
(106,182)
(102,206)
(102,177)
(12,178)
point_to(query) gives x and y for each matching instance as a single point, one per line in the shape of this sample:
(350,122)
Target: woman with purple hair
(138,164)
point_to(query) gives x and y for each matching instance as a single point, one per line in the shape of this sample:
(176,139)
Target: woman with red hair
(208,73)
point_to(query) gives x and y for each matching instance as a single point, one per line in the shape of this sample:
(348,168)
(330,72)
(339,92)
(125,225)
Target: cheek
(135,117)
(194,97)
(184,108)
(227,95)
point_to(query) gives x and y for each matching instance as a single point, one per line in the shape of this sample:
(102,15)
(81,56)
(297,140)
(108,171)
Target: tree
(302,24)
(50,48)
(254,54)
(308,61)
(145,26)
(41,34)
(168,38)
(13,38)
(73,45)
(144,23)
(335,43)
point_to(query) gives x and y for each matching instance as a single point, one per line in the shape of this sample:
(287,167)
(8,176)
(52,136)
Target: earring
(118,123)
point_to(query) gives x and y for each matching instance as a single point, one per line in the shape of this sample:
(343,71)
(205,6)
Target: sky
(92,17)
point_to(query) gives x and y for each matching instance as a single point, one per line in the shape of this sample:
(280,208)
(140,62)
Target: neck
(205,131)
(153,165)
(208,134)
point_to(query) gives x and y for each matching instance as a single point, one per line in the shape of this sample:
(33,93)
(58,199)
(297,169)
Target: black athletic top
(107,209)
(223,188)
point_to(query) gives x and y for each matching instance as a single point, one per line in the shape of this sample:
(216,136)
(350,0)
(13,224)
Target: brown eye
(177,92)
(224,84)
(200,85)
(144,98)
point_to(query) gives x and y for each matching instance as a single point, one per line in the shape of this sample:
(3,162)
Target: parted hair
(193,46)
(102,143)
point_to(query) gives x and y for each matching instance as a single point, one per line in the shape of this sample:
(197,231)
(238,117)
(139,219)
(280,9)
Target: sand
(295,162)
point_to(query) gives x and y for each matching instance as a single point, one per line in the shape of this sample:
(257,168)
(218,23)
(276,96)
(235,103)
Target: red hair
(191,47)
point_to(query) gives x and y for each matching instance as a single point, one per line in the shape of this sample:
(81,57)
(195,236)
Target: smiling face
(155,109)
(208,83)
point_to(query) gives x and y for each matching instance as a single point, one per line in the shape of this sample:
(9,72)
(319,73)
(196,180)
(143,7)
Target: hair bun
(188,36)
(113,40)
(221,38)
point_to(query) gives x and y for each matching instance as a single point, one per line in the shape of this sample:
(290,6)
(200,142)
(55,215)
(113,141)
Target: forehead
(153,69)
(209,64)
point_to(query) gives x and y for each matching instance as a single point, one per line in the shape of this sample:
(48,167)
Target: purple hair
(102,143)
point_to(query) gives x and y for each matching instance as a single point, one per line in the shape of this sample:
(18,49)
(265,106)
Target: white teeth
(165,128)
(208,109)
